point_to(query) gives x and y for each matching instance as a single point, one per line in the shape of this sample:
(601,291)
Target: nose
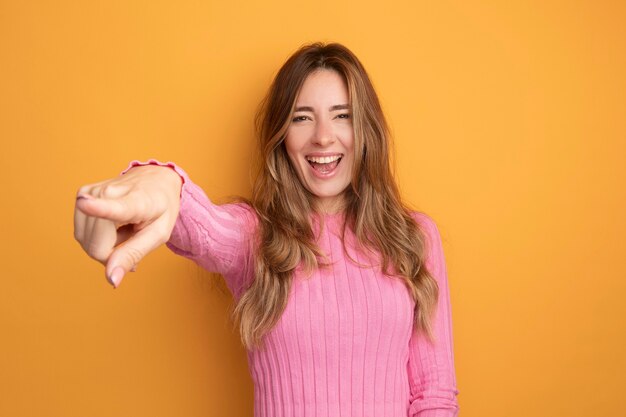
(324,134)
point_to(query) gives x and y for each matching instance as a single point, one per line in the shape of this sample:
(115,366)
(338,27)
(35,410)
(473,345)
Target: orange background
(509,119)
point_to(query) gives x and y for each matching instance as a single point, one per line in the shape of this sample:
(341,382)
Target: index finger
(122,210)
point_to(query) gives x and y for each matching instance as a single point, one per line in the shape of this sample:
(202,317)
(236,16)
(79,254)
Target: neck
(331,205)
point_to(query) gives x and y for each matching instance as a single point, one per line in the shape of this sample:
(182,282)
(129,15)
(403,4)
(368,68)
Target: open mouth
(324,164)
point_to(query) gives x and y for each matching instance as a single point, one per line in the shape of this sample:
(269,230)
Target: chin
(328,196)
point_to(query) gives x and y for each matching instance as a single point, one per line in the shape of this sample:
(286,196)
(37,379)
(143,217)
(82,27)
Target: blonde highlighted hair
(374,210)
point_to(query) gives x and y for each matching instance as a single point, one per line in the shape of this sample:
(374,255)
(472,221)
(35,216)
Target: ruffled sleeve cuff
(435,407)
(436,413)
(183,175)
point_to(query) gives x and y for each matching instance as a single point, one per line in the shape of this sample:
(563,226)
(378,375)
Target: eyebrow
(332,108)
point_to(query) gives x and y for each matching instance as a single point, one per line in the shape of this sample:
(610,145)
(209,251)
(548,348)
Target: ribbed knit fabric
(345,344)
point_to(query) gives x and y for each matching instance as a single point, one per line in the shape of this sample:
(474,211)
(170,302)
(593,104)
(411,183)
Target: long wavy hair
(374,211)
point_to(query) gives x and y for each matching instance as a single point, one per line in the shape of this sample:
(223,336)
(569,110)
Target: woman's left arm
(431,364)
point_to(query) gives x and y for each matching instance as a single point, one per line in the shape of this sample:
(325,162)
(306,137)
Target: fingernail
(116,276)
(133,269)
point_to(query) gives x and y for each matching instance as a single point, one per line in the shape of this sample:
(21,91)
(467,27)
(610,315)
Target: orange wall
(510,132)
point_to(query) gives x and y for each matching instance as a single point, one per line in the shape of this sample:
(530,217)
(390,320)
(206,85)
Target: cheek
(348,144)
(292,151)
(295,141)
(346,134)
(350,157)
(291,142)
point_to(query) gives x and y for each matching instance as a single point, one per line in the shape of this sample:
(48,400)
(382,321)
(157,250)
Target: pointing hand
(119,221)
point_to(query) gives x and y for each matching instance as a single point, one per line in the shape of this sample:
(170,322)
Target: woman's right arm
(219,238)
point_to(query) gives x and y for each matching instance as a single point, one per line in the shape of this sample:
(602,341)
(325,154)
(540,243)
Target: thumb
(127,255)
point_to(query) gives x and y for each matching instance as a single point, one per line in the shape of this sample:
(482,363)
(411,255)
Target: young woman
(341,291)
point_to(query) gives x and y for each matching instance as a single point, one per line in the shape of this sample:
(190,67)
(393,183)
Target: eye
(343,116)
(297,119)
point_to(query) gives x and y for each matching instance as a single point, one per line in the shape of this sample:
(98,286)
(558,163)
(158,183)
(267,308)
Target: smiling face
(320,138)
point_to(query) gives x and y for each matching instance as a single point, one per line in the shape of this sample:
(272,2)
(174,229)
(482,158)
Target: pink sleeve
(219,238)
(431,365)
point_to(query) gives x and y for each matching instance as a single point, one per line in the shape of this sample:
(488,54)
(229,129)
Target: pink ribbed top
(344,345)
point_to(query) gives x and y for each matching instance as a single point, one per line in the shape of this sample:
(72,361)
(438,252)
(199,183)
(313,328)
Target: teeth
(323,159)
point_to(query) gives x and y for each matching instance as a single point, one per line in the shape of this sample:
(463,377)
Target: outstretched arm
(219,238)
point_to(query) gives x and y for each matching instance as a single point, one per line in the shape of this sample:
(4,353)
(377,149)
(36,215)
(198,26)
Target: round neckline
(336,215)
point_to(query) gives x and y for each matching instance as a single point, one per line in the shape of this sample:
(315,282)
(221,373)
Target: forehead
(323,86)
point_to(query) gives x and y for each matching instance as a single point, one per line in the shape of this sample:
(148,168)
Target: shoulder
(434,255)
(425,223)
(429,230)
